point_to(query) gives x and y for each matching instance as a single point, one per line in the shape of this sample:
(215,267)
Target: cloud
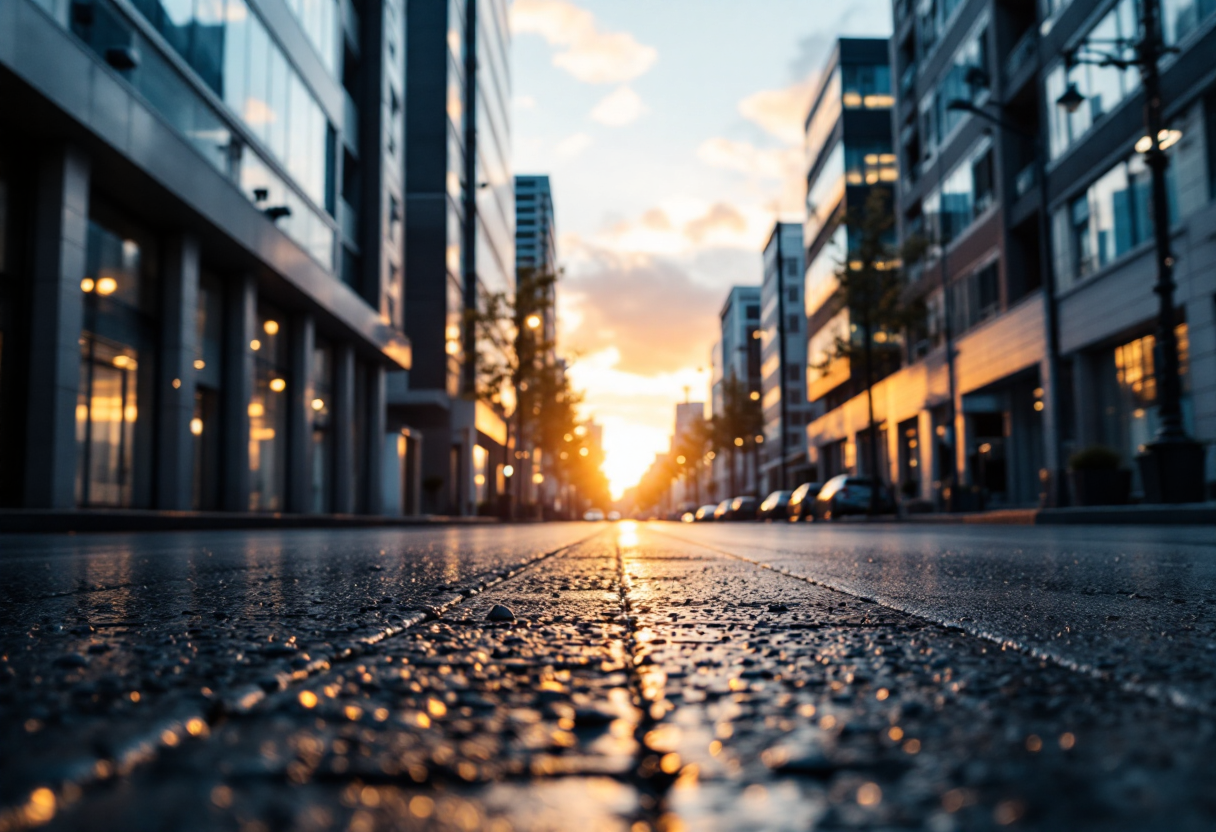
(618,108)
(625,302)
(656,219)
(721,217)
(589,54)
(573,145)
(744,157)
(782,112)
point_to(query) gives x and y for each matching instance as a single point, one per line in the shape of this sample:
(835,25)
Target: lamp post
(1171,466)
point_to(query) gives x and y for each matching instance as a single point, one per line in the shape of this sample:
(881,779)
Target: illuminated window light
(87,284)
(255,345)
(271,327)
(538,478)
(196,426)
(107,286)
(257,410)
(278,385)
(199,363)
(318,404)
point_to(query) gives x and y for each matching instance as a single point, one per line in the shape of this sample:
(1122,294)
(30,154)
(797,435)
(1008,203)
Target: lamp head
(1071,100)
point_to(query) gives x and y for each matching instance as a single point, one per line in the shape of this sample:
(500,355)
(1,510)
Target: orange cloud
(744,157)
(782,113)
(720,217)
(589,54)
(626,302)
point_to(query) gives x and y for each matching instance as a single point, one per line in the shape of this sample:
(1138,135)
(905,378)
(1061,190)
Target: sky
(672,134)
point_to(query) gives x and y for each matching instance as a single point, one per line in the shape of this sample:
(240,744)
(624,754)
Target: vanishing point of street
(611,676)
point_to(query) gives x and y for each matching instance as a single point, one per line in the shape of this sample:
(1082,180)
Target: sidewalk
(36,521)
(1193,514)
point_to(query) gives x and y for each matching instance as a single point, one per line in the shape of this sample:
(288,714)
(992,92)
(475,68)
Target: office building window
(205,422)
(268,413)
(965,195)
(321,407)
(1111,218)
(866,86)
(1103,86)
(1181,17)
(114,408)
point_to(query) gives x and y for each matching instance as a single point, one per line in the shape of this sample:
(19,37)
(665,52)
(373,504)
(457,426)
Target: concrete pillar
(60,236)
(375,430)
(299,415)
(240,315)
(343,427)
(926,441)
(176,374)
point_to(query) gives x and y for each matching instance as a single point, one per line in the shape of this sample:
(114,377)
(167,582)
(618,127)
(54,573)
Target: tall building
(460,225)
(737,364)
(1101,226)
(535,257)
(200,254)
(849,153)
(783,361)
(988,390)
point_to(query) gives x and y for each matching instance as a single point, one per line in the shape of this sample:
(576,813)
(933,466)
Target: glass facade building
(460,244)
(198,174)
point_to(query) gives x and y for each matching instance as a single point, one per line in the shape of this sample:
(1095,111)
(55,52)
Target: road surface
(655,676)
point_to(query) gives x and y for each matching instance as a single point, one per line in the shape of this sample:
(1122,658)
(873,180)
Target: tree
(739,425)
(871,286)
(518,373)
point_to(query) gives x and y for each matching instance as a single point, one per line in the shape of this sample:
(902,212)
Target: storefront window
(204,422)
(268,414)
(114,405)
(321,407)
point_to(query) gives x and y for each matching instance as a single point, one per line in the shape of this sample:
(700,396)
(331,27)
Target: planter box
(1100,488)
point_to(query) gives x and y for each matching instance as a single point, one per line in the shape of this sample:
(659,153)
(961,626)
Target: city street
(654,676)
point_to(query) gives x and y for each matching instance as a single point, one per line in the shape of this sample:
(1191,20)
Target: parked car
(705,514)
(775,506)
(721,511)
(843,495)
(593,515)
(802,502)
(742,508)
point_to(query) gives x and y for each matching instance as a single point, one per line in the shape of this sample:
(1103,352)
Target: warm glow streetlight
(271,327)
(680,460)
(533,321)
(508,470)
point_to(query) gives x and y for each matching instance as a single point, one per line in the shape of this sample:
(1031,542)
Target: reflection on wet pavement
(355,680)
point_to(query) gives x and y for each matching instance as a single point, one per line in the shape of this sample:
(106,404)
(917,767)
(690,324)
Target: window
(1181,17)
(975,298)
(825,193)
(824,117)
(959,82)
(792,293)
(866,86)
(1103,86)
(965,195)
(753,313)
(793,324)
(321,408)
(268,413)
(1111,218)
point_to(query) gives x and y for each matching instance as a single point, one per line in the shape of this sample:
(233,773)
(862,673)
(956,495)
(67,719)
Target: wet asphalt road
(654,677)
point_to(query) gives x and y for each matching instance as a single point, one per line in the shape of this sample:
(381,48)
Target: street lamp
(1171,466)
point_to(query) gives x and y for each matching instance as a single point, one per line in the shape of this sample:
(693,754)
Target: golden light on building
(255,345)
(256,410)
(680,460)
(122,361)
(453,347)
(107,286)
(480,479)
(87,284)
(538,478)
(318,404)
(586,451)
(199,363)
(759,440)
(738,441)
(196,426)
(533,321)
(508,470)
(755,395)
(278,385)
(271,327)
